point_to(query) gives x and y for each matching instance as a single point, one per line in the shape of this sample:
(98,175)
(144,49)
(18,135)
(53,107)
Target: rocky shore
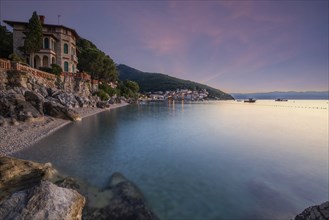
(32,107)
(30,190)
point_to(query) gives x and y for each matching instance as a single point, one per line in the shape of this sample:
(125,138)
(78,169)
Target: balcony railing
(5,64)
(35,72)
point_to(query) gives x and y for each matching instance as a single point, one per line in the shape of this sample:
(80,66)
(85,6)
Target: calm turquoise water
(210,160)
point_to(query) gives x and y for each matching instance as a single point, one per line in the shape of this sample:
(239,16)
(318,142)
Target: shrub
(46,69)
(103,95)
(56,69)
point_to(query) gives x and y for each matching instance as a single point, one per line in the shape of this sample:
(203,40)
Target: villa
(59,45)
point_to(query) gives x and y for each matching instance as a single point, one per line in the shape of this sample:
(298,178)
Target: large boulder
(67,99)
(25,111)
(16,174)
(57,110)
(318,212)
(126,202)
(103,104)
(35,99)
(43,201)
(14,105)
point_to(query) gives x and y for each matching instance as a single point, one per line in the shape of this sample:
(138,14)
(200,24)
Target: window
(66,66)
(53,44)
(46,43)
(72,51)
(73,68)
(66,48)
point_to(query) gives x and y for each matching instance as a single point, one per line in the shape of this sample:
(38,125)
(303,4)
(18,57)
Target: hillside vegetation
(152,82)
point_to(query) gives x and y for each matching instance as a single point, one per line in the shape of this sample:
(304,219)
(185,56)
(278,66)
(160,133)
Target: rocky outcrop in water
(18,174)
(126,202)
(30,190)
(43,201)
(27,193)
(317,212)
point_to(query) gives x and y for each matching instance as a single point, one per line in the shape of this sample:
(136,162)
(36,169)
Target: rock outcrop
(16,174)
(126,202)
(43,201)
(317,212)
(27,192)
(24,97)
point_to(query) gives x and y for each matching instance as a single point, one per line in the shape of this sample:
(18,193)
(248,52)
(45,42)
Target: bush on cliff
(103,95)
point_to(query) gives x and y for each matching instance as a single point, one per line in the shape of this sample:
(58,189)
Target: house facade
(58,47)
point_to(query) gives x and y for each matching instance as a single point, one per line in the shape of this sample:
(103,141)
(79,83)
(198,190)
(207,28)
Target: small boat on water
(250,100)
(281,100)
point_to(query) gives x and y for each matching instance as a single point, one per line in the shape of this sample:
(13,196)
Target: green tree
(16,58)
(6,42)
(33,40)
(94,61)
(133,86)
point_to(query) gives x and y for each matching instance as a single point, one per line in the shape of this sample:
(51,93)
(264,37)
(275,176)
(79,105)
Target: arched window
(46,43)
(45,61)
(66,48)
(37,61)
(66,66)
(53,60)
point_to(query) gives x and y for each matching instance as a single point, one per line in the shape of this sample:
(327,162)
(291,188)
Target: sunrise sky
(236,46)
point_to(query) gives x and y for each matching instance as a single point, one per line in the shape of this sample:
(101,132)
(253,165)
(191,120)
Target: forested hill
(152,82)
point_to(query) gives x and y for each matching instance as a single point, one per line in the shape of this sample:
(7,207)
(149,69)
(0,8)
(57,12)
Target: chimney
(42,19)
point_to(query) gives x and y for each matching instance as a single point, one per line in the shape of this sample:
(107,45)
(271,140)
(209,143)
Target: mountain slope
(151,82)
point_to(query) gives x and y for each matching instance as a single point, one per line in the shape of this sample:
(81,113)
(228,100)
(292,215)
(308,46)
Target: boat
(250,100)
(281,100)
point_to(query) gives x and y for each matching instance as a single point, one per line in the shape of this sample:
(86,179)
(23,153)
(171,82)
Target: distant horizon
(306,91)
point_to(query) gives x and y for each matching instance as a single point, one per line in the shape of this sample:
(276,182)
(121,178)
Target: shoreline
(17,137)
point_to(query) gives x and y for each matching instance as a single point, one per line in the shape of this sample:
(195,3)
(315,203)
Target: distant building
(59,45)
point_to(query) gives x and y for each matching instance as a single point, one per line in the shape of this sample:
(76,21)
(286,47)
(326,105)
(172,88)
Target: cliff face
(26,97)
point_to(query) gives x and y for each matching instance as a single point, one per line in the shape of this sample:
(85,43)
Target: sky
(236,46)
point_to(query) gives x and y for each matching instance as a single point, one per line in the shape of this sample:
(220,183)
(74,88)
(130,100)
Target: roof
(12,23)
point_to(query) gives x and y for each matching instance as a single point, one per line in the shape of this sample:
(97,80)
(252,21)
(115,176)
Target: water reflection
(211,160)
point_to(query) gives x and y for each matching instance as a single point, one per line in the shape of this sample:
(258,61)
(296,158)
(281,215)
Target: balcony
(47,51)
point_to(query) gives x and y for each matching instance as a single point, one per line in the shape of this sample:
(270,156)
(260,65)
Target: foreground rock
(126,202)
(43,201)
(27,193)
(18,174)
(318,212)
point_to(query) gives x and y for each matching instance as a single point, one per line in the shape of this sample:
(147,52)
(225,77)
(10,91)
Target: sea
(203,160)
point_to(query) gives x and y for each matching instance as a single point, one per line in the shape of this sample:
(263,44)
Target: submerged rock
(126,202)
(318,212)
(43,201)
